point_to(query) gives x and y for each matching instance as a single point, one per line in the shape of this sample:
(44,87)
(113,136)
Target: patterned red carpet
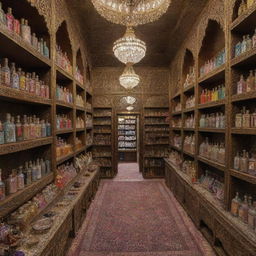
(139,218)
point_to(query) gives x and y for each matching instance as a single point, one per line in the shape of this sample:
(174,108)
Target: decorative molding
(44,8)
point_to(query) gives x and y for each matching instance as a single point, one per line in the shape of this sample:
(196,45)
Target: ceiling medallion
(130,108)
(131,12)
(129,49)
(129,79)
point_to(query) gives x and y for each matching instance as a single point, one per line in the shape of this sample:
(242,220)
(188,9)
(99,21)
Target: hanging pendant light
(129,49)
(130,108)
(129,79)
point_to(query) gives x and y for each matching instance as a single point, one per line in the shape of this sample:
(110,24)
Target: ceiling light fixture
(129,49)
(130,100)
(129,79)
(131,12)
(130,108)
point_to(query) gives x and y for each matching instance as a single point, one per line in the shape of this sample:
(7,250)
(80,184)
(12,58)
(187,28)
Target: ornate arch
(44,8)
(214,11)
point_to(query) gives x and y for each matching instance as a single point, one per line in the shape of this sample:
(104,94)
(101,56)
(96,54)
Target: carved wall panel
(102,101)
(157,101)
(44,9)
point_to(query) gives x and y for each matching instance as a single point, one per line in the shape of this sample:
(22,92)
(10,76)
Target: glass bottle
(235,204)
(19,132)
(244,162)
(8,131)
(28,78)
(25,128)
(14,77)
(39,169)
(250,81)
(48,128)
(43,128)
(1,133)
(43,167)
(22,81)
(2,187)
(13,128)
(5,73)
(238,120)
(37,86)
(248,43)
(13,184)
(32,86)
(246,119)
(34,172)
(243,211)
(41,46)
(27,32)
(34,41)
(252,165)
(48,166)
(20,178)
(252,215)
(29,172)
(46,50)
(243,46)
(237,162)
(10,19)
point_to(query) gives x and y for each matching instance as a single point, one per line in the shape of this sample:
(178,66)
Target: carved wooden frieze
(44,8)
(101,101)
(157,101)
(215,10)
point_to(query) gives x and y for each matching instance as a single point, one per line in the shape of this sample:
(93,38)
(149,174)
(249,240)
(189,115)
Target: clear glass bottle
(235,204)
(237,162)
(39,169)
(34,172)
(13,184)
(240,85)
(27,32)
(29,173)
(252,165)
(244,162)
(238,120)
(48,128)
(246,119)
(243,46)
(5,73)
(20,178)
(32,86)
(2,187)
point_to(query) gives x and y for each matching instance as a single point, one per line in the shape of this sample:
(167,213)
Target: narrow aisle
(138,218)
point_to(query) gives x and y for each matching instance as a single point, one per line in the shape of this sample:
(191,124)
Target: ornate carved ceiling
(162,37)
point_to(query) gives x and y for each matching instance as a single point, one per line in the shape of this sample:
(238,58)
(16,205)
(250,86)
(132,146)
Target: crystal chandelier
(130,100)
(131,12)
(130,108)
(129,79)
(129,49)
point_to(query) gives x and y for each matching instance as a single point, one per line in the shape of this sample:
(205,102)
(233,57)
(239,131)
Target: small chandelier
(131,12)
(130,108)
(129,49)
(130,100)
(129,79)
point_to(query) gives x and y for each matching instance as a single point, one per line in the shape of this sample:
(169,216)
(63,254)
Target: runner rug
(138,219)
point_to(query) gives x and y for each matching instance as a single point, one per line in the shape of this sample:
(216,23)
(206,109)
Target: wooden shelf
(64,104)
(244,21)
(188,153)
(90,112)
(177,95)
(189,129)
(80,150)
(249,131)
(176,148)
(24,145)
(14,201)
(80,108)
(212,163)
(64,131)
(244,96)
(79,84)
(10,94)
(212,104)
(80,129)
(176,113)
(189,88)
(62,74)
(246,59)
(243,176)
(62,159)
(187,110)
(176,128)
(213,130)
(18,50)
(213,76)
(88,146)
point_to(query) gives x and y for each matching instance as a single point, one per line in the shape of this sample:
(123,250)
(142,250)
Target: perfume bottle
(19,132)
(248,43)
(14,77)
(246,119)
(28,78)
(238,120)
(237,162)
(6,74)
(37,86)
(34,172)
(1,133)
(2,187)
(10,19)
(27,32)
(13,183)
(48,128)
(252,165)
(9,133)
(243,46)
(32,86)
(39,169)
(240,85)
(20,179)
(29,173)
